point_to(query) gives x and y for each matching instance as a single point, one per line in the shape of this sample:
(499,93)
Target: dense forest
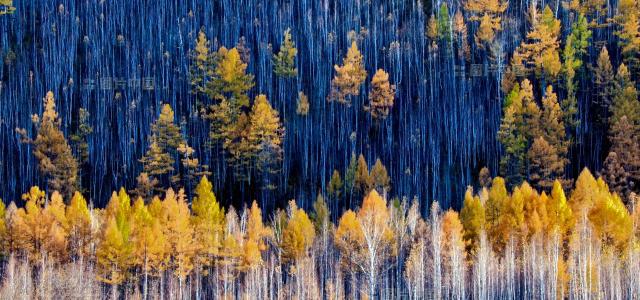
(320,149)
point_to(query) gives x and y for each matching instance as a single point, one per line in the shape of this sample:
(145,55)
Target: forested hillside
(371,149)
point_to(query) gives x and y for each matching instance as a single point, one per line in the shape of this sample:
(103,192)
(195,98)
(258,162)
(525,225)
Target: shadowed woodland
(320,149)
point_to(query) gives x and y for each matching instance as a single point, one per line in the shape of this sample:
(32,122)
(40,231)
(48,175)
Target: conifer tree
(334,188)
(265,135)
(560,216)
(230,80)
(629,32)
(56,161)
(200,70)
(79,226)
(543,44)
(284,63)
(604,79)
(379,178)
(362,180)
(488,13)
(298,234)
(208,221)
(545,164)
(381,96)
(472,216)
(625,142)
(349,77)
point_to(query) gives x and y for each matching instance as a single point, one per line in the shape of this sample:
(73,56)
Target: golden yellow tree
(541,48)
(178,231)
(208,222)
(488,13)
(349,77)
(79,226)
(381,96)
(472,216)
(298,234)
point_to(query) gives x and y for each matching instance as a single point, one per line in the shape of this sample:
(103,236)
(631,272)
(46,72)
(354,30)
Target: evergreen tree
(604,79)
(625,142)
(545,164)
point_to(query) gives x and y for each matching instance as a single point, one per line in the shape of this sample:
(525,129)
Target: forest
(328,149)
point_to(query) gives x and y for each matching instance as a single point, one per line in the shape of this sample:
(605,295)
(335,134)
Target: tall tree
(298,234)
(56,161)
(208,222)
(541,48)
(604,84)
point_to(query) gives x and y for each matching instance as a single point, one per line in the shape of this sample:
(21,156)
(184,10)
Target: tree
(545,164)
(302,107)
(79,226)
(150,246)
(362,180)
(617,178)
(488,13)
(179,233)
(626,103)
(625,142)
(472,216)
(335,185)
(554,128)
(585,193)
(200,70)
(230,80)
(381,95)
(298,234)
(604,79)
(56,161)
(512,137)
(484,177)
(349,77)
(542,47)
(559,214)
(256,234)
(164,142)
(629,32)
(284,63)
(575,49)
(266,134)
(79,138)
(208,222)
(379,178)
(611,221)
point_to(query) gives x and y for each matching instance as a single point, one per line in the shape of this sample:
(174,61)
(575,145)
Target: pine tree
(381,96)
(349,77)
(575,49)
(56,161)
(284,63)
(164,142)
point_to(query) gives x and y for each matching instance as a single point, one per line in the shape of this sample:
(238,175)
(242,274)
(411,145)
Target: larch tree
(149,244)
(284,62)
(349,76)
(55,157)
(575,50)
(266,135)
(208,221)
(163,147)
(488,13)
(559,214)
(79,226)
(472,216)
(362,180)
(200,69)
(255,238)
(541,48)
(334,188)
(381,96)
(625,142)
(179,234)
(628,32)
(298,235)
(604,84)
(230,80)
(614,174)
(380,180)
